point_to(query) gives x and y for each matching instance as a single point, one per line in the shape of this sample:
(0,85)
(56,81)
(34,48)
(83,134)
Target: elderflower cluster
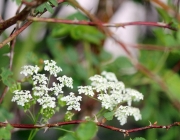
(112,94)
(42,92)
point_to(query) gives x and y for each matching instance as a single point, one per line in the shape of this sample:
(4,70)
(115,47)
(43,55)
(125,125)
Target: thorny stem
(89,23)
(124,131)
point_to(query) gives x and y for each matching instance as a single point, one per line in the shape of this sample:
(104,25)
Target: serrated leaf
(49,8)
(53,2)
(109,115)
(6,76)
(40,8)
(86,131)
(44,6)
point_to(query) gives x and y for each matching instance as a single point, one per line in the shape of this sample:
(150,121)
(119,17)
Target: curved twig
(124,131)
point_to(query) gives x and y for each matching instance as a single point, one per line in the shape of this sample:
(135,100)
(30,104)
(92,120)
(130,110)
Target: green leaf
(109,115)
(49,8)
(44,6)
(86,131)
(68,116)
(60,102)
(86,33)
(68,137)
(40,8)
(4,115)
(14,87)
(61,30)
(5,132)
(6,76)
(173,81)
(18,2)
(170,40)
(53,2)
(139,138)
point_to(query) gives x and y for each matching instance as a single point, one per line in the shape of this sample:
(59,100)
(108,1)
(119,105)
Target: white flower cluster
(21,97)
(124,111)
(42,92)
(72,101)
(51,67)
(112,93)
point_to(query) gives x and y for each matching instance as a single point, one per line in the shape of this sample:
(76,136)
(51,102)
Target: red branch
(76,22)
(126,132)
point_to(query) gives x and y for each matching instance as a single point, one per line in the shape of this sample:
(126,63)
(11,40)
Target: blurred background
(82,51)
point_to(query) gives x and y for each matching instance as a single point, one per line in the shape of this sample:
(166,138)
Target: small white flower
(47,101)
(21,97)
(110,101)
(40,90)
(39,79)
(57,88)
(87,90)
(118,86)
(130,95)
(67,81)
(124,111)
(29,70)
(52,67)
(97,79)
(72,101)
(109,76)
(100,87)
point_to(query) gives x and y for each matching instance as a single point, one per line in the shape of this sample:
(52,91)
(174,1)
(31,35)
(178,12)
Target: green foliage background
(78,50)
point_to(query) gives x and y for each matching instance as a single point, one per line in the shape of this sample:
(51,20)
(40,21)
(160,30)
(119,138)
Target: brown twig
(3,94)
(17,32)
(126,132)
(167,8)
(153,47)
(11,56)
(20,16)
(75,22)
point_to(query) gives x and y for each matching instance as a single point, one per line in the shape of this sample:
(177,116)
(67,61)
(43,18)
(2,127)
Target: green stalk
(88,56)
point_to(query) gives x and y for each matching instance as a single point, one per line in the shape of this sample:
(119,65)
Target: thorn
(164,127)
(75,20)
(7,54)
(126,134)
(6,121)
(150,124)
(45,129)
(103,120)
(155,123)
(95,119)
